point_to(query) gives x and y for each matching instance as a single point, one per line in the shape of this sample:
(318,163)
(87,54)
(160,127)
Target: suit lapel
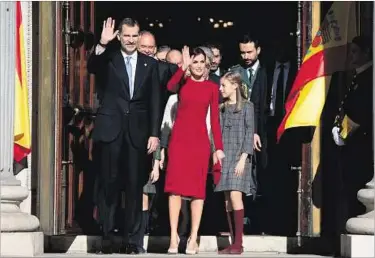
(140,72)
(119,64)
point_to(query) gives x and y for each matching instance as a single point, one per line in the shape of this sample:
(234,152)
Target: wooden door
(78,106)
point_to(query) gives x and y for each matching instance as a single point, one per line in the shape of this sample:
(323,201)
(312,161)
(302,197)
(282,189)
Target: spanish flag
(22,134)
(326,55)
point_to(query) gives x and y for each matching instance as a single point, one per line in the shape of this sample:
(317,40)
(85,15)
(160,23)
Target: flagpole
(315,146)
(293,168)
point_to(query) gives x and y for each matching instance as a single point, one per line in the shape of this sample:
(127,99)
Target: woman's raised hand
(186,59)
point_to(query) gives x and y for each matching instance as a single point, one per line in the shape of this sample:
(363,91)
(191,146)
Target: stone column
(17,228)
(360,240)
(364,224)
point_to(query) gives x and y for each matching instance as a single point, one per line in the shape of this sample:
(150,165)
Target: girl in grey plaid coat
(237,125)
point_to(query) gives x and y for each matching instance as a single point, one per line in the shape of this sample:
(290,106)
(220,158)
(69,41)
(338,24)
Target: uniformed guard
(353,127)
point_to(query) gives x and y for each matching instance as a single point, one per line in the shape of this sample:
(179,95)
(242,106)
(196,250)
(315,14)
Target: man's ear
(258,50)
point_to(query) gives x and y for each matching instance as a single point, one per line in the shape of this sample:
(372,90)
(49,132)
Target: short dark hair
(247,38)
(364,43)
(198,51)
(128,22)
(214,45)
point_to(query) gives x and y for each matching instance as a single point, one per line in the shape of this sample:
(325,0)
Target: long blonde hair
(241,96)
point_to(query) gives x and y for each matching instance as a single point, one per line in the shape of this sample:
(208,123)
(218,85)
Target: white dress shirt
(217,72)
(276,74)
(254,69)
(133,60)
(133,63)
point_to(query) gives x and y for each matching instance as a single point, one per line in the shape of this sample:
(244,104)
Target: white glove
(336,136)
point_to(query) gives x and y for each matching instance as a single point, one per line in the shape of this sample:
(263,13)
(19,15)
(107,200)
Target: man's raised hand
(108,33)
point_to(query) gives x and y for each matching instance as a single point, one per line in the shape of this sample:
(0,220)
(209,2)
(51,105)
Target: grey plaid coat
(238,136)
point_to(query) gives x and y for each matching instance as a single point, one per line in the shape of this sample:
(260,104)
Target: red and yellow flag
(22,134)
(326,55)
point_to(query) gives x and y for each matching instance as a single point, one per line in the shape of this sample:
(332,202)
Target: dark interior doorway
(189,22)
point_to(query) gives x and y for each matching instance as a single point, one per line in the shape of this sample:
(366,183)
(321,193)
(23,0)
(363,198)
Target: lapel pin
(145,64)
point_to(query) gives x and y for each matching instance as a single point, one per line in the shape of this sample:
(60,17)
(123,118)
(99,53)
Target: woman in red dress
(189,147)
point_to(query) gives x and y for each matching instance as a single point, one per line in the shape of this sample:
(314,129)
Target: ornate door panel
(78,106)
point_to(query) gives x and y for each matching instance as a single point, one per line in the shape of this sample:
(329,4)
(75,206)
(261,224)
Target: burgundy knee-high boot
(231,225)
(237,248)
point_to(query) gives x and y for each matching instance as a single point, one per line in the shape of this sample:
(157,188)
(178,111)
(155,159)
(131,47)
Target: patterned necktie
(251,75)
(129,71)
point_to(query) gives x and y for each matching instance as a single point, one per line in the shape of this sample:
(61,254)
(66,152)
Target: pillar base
(22,244)
(12,218)
(18,236)
(357,246)
(364,224)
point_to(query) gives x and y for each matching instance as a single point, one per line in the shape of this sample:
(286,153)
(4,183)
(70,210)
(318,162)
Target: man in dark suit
(212,76)
(279,181)
(254,77)
(216,59)
(127,127)
(147,46)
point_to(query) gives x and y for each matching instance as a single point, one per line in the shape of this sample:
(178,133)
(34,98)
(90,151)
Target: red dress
(189,147)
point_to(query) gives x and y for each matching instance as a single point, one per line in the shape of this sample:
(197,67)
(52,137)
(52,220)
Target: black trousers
(280,183)
(122,167)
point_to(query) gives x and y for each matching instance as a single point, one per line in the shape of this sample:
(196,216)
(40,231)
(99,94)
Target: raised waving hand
(108,31)
(186,59)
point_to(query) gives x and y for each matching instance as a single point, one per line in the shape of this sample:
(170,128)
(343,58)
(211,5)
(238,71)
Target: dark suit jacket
(166,70)
(213,77)
(221,72)
(165,73)
(291,76)
(142,111)
(259,97)
(216,79)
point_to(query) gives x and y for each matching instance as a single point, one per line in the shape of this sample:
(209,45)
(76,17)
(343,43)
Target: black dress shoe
(134,249)
(141,250)
(123,249)
(106,247)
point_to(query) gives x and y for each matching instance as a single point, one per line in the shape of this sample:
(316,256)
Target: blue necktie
(129,71)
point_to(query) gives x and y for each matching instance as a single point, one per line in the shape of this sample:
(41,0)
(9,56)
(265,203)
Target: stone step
(357,245)
(159,244)
(246,254)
